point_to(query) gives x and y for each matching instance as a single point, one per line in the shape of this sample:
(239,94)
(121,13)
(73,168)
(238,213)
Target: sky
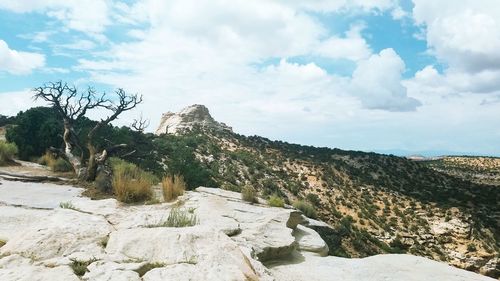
(394,76)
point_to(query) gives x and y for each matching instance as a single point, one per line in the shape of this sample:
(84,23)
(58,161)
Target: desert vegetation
(7,152)
(131,183)
(173,187)
(58,164)
(249,194)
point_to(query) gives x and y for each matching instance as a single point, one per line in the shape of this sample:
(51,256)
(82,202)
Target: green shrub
(80,267)
(7,152)
(249,194)
(62,165)
(130,183)
(313,198)
(306,208)
(179,218)
(276,201)
(471,247)
(173,187)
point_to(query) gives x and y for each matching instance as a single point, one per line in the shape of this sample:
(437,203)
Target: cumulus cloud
(352,46)
(377,80)
(465,36)
(18,100)
(17,62)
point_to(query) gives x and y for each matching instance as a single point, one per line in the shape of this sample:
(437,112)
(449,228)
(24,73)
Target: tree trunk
(73,160)
(92,164)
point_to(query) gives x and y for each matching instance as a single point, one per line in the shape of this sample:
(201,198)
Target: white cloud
(377,80)
(17,62)
(465,36)
(352,47)
(19,100)
(90,16)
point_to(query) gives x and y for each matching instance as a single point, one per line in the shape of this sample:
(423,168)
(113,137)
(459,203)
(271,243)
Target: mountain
(375,203)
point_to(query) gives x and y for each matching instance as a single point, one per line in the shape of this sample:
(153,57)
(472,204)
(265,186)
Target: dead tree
(140,124)
(72,106)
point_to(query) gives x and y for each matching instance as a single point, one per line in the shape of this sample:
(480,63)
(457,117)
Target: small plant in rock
(249,194)
(68,205)
(147,267)
(179,218)
(305,207)
(7,152)
(104,242)
(173,187)
(276,201)
(80,267)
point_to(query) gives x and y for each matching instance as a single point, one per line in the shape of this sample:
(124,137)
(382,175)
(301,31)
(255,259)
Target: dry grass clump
(249,194)
(276,201)
(306,208)
(131,183)
(56,164)
(173,187)
(7,152)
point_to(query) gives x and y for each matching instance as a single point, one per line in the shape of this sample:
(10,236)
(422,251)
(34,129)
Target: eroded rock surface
(233,240)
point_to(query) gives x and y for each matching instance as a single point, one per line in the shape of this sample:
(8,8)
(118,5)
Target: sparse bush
(61,165)
(7,152)
(80,267)
(305,208)
(249,194)
(130,183)
(55,164)
(173,187)
(178,218)
(471,247)
(276,201)
(313,198)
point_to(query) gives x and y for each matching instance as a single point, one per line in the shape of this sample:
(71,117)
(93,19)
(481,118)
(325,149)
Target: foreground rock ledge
(234,240)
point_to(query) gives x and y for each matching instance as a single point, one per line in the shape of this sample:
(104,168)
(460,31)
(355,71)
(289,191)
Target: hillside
(481,170)
(376,203)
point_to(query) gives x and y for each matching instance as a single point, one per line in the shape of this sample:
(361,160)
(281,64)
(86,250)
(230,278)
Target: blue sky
(379,75)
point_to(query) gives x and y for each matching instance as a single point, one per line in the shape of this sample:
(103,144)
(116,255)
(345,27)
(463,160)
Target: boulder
(213,253)
(307,266)
(18,268)
(60,233)
(310,241)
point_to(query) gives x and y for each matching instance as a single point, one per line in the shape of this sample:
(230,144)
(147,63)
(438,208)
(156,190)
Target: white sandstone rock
(59,234)
(307,266)
(310,241)
(186,119)
(213,253)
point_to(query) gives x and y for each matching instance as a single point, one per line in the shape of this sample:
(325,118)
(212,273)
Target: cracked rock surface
(233,240)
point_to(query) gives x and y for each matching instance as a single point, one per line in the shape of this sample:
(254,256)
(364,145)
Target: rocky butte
(192,116)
